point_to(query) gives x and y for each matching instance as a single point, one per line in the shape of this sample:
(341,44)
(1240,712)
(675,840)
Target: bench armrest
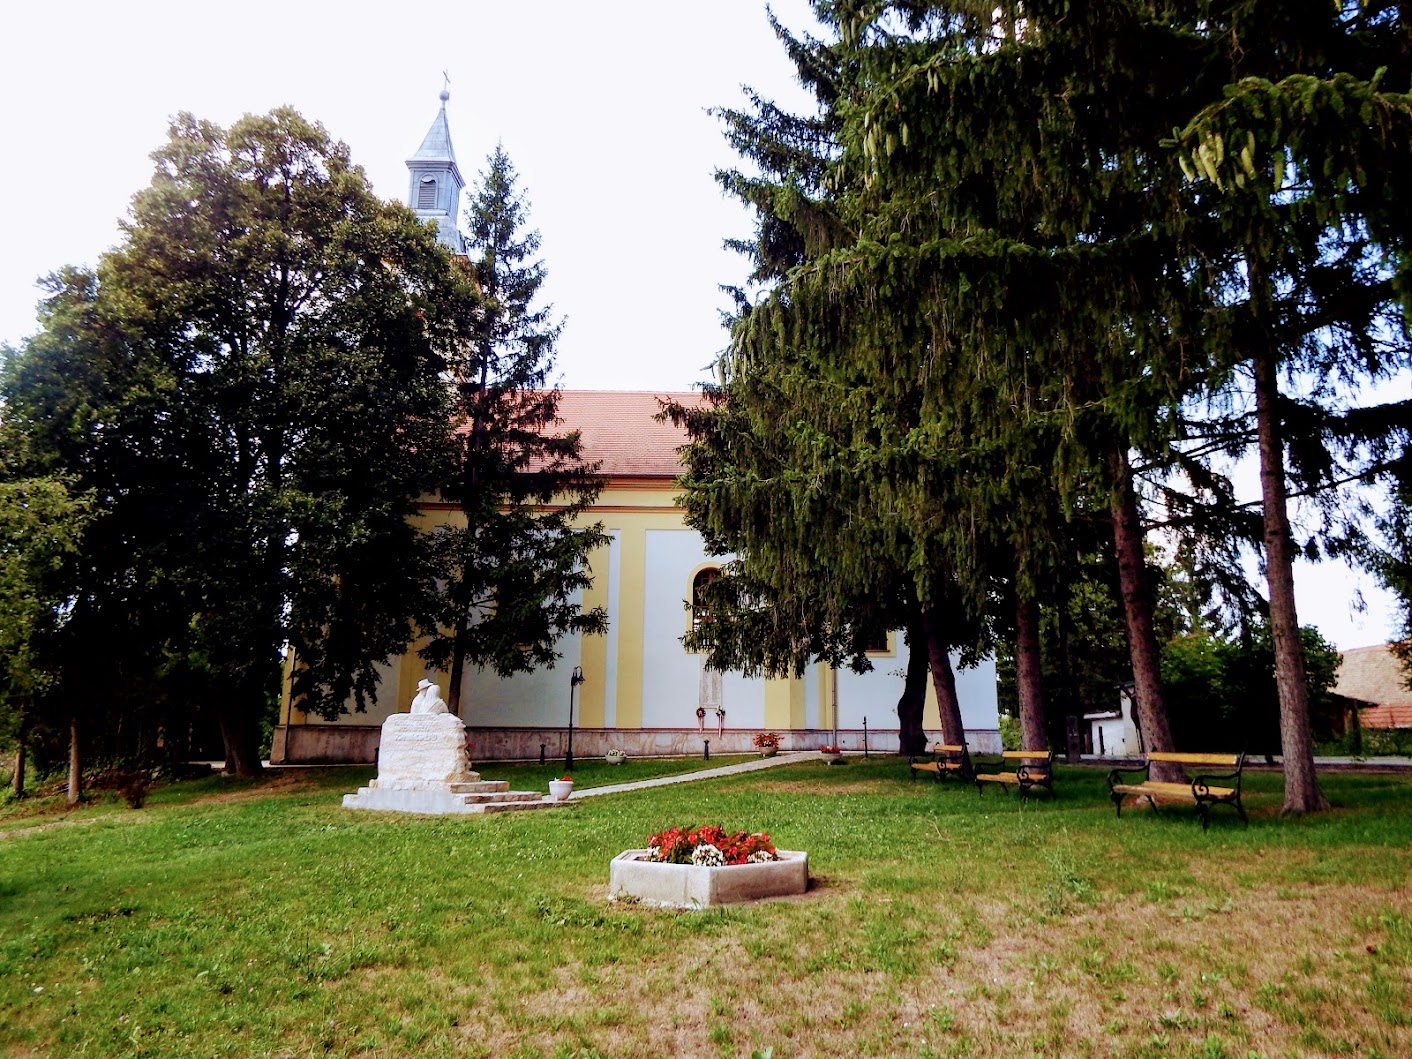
(1223,780)
(1115,776)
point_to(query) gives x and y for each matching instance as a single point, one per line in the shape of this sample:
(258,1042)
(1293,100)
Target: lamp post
(574,681)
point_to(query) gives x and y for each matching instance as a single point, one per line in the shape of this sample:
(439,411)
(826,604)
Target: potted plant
(832,754)
(561,788)
(768,743)
(615,756)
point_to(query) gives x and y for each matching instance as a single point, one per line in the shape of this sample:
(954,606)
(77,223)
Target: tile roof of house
(1373,674)
(620,433)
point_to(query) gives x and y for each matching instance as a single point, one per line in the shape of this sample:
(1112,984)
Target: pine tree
(782,469)
(513,569)
(1302,165)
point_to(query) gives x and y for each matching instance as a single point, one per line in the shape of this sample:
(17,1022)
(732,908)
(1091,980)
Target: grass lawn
(265,920)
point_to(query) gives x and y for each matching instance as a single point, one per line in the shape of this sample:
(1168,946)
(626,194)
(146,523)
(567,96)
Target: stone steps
(479,787)
(500,799)
(505,796)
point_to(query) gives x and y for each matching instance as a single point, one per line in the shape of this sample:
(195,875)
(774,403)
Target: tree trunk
(1069,683)
(912,737)
(953,730)
(240,734)
(1137,607)
(18,781)
(1028,674)
(1302,793)
(458,667)
(75,764)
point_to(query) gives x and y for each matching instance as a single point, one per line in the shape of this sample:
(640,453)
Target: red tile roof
(619,431)
(1373,674)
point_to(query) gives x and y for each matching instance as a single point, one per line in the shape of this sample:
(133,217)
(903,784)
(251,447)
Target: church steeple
(436,184)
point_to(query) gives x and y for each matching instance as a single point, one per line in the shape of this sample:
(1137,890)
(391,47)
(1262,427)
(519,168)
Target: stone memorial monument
(423,767)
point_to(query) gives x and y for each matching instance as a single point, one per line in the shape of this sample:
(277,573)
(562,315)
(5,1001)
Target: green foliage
(512,571)
(249,386)
(1222,694)
(1009,732)
(41,527)
(1393,561)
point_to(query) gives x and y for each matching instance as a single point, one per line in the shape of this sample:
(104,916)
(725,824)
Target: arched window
(426,194)
(700,608)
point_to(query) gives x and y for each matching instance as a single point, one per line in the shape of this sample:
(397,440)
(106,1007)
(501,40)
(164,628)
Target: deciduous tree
(275,327)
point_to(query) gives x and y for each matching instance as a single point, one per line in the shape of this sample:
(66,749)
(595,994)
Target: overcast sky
(601,106)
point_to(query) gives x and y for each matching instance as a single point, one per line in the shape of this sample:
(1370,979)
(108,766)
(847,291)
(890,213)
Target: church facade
(641,691)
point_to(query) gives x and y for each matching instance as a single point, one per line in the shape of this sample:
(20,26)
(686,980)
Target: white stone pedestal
(423,768)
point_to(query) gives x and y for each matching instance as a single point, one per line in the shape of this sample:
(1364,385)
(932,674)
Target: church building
(641,691)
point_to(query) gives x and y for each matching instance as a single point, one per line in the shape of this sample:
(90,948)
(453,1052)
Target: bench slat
(1180,791)
(1029,770)
(1228,760)
(946,761)
(1204,796)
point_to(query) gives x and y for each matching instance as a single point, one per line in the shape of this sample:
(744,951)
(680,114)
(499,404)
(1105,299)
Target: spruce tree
(1025,206)
(513,569)
(1301,166)
(779,470)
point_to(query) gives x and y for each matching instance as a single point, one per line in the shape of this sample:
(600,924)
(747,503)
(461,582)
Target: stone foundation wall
(341,744)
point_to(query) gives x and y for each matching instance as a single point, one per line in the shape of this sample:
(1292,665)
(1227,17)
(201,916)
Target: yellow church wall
(593,651)
(625,666)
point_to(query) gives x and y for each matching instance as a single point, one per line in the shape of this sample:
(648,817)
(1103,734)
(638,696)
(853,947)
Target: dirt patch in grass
(51,813)
(70,820)
(269,783)
(1267,971)
(819,789)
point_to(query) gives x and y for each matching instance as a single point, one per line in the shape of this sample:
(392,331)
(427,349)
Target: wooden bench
(1205,791)
(1035,768)
(943,761)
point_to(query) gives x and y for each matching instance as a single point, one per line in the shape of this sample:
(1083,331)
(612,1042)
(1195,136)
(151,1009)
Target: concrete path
(783,758)
(789,757)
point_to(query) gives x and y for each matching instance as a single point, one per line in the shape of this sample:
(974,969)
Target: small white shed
(1114,732)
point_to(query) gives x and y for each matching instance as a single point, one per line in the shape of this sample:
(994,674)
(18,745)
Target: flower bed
(710,846)
(696,867)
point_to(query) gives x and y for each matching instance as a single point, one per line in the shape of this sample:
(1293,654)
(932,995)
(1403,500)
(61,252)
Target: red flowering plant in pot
(766,742)
(710,846)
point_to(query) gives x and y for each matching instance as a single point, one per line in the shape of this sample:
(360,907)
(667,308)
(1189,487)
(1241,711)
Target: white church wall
(539,697)
(975,688)
(872,695)
(671,677)
(811,697)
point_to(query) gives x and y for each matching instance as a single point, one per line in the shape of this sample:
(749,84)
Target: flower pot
(831,758)
(559,790)
(769,751)
(615,757)
(632,874)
